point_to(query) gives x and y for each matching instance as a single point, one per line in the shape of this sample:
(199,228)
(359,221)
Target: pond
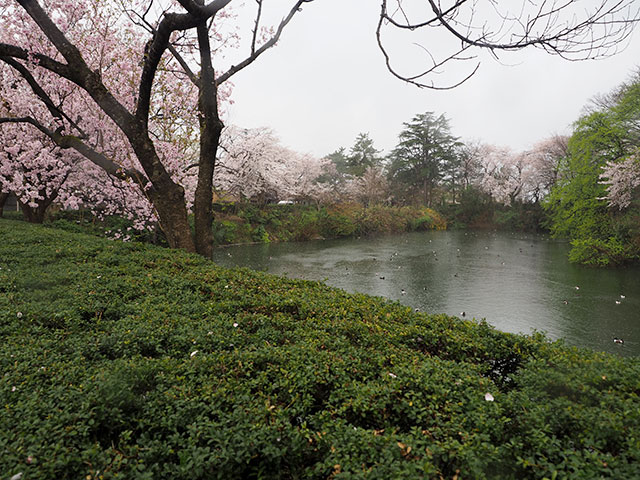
(518,283)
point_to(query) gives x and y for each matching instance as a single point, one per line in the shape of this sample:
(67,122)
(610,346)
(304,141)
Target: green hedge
(131,361)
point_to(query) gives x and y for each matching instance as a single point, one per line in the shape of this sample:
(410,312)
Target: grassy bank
(124,360)
(245,223)
(250,223)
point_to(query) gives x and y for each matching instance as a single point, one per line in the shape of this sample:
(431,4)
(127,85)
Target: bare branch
(270,43)
(414,79)
(185,66)
(559,27)
(257,26)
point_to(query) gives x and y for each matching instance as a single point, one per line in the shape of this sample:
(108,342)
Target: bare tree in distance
(572,29)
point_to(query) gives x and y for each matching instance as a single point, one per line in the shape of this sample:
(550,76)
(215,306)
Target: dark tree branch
(44,61)
(70,141)
(203,11)
(156,47)
(141,21)
(185,66)
(190,6)
(582,35)
(54,110)
(256,28)
(413,26)
(415,79)
(267,45)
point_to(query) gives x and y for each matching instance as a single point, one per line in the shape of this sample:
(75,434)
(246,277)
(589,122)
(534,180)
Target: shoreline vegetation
(246,223)
(125,360)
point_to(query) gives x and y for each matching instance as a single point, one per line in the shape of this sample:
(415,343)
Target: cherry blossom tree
(238,169)
(171,124)
(302,179)
(117,88)
(254,165)
(546,159)
(372,187)
(526,176)
(336,182)
(40,173)
(507,175)
(33,170)
(470,166)
(496,179)
(622,179)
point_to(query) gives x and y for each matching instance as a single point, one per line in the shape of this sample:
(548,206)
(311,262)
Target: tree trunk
(3,200)
(169,202)
(202,206)
(210,131)
(424,189)
(32,214)
(37,214)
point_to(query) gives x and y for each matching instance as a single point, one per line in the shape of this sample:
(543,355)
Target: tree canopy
(596,197)
(426,148)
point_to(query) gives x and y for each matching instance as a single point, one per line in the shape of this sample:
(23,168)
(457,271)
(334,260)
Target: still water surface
(518,283)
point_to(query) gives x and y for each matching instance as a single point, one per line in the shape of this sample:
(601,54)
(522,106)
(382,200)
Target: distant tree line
(431,166)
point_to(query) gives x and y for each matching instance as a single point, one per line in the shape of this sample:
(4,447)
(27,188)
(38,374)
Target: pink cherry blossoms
(254,165)
(507,175)
(622,179)
(37,170)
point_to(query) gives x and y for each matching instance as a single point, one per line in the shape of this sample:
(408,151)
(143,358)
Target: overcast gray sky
(326,81)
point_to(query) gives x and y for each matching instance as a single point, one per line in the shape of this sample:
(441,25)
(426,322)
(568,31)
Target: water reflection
(518,283)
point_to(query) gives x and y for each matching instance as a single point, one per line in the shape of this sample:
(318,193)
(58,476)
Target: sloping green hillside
(129,361)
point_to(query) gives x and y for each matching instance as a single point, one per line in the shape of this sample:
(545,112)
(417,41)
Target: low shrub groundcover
(131,361)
